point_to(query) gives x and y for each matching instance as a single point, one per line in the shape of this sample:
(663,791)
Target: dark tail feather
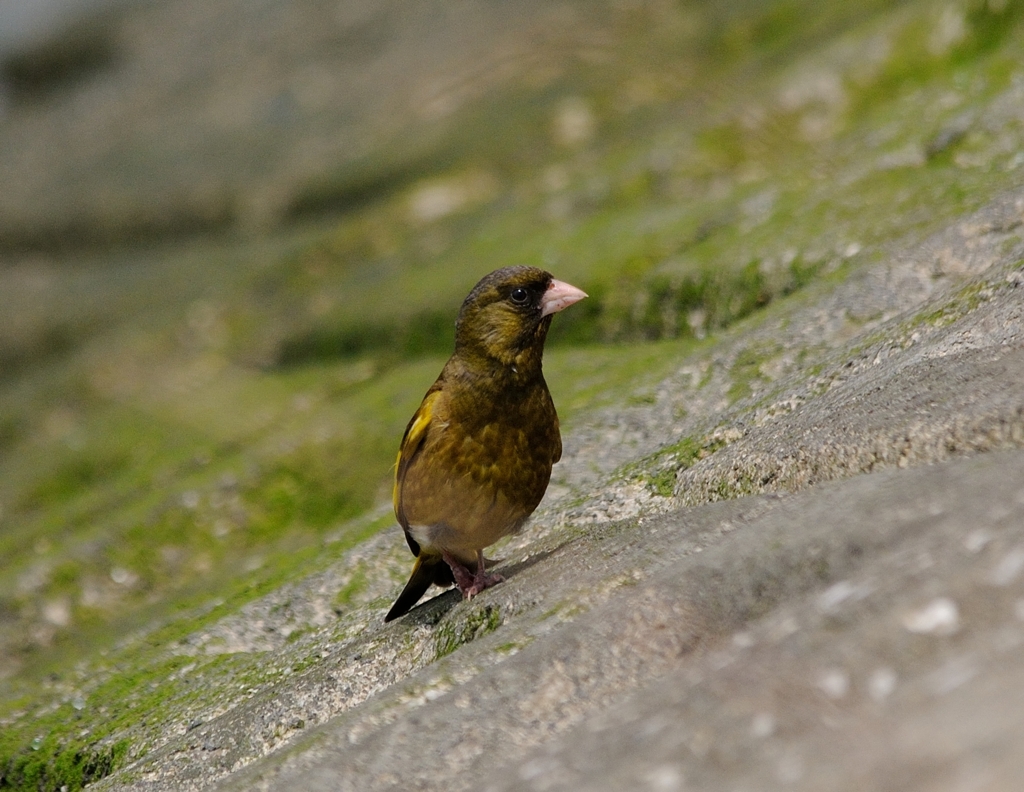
(426,570)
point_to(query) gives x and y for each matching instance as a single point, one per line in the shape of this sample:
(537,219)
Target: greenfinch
(476,457)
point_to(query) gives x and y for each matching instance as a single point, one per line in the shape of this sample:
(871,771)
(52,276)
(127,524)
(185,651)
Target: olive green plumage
(476,457)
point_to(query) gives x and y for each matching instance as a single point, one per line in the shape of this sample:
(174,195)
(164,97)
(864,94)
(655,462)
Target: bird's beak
(558,296)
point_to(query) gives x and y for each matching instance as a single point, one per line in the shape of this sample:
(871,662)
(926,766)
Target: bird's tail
(428,569)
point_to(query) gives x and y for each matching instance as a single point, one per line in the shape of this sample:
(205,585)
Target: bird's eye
(519,296)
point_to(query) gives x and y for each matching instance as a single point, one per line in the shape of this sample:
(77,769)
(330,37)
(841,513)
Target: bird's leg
(471,584)
(483,580)
(464,578)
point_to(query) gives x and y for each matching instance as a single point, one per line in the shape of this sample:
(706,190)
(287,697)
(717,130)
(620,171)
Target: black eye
(519,296)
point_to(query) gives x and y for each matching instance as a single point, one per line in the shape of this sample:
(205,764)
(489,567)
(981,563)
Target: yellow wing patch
(415,433)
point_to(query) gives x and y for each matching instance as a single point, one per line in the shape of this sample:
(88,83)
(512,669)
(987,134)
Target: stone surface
(842,685)
(854,624)
(796,560)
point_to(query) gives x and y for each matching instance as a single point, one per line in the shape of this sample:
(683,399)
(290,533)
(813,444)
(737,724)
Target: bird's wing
(557,453)
(412,442)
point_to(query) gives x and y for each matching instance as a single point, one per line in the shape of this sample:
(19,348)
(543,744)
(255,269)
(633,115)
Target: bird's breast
(480,474)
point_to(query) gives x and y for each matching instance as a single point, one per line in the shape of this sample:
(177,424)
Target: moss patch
(47,765)
(660,470)
(451,635)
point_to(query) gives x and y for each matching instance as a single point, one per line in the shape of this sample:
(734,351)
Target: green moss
(659,306)
(660,470)
(918,59)
(12,428)
(662,483)
(73,475)
(296,635)
(65,577)
(302,490)
(451,635)
(724,147)
(356,583)
(425,332)
(141,683)
(729,490)
(48,752)
(746,370)
(963,302)
(49,765)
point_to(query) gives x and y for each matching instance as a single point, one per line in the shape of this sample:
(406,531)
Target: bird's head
(506,316)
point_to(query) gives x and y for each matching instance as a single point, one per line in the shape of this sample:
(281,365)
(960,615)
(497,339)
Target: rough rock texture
(852,621)
(889,658)
(791,558)
(903,672)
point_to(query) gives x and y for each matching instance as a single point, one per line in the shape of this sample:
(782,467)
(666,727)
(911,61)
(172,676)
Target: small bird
(476,457)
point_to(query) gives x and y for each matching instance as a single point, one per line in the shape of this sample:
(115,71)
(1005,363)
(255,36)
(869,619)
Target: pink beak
(558,296)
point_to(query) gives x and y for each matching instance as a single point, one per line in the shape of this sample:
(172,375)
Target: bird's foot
(470,583)
(481,581)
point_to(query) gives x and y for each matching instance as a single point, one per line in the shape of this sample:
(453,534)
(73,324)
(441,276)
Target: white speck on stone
(763,725)
(950,29)
(666,778)
(834,683)
(954,674)
(941,616)
(574,122)
(431,202)
(838,593)
(538,768)
(91,596)
(790,768)
(655,725)
(190,499)
(977,539)
(911,155)
(1008,568)
(57,613)
(835,595)
(434,693)
(785,628)
(882,683)
(123,577)
(743,640)
(813,87)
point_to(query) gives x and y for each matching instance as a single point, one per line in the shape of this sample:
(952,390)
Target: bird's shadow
(430,612)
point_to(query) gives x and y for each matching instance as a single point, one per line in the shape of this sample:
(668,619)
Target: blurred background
(234,236)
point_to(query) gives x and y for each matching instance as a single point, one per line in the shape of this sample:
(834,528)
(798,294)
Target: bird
(476,457)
